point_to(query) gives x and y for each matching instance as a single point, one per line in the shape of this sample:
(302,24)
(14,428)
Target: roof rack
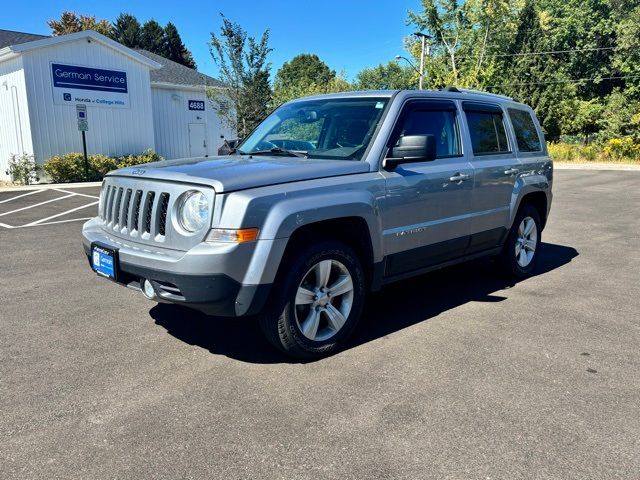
(475,92)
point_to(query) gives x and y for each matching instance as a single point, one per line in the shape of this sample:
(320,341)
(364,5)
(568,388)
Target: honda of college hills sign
(73,84)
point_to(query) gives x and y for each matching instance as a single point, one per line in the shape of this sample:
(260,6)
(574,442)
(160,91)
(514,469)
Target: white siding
(15,135)
(171,119)
(112,131)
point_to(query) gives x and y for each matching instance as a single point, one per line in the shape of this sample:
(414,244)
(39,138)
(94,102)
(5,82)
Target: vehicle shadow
(397,306)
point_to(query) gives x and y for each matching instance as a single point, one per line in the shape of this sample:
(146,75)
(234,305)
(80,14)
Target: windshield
(336,129)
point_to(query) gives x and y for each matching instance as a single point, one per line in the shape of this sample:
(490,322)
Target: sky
(348,35)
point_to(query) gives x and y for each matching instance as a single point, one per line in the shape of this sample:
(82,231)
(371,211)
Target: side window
(525,130)
(437,118)
(486,128)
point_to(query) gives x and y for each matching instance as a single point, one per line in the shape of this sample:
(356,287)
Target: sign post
(83,126)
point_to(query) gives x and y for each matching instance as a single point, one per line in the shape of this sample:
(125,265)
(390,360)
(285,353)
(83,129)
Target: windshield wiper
(278,151)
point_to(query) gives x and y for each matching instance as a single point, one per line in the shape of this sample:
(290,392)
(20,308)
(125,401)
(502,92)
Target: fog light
(148,290)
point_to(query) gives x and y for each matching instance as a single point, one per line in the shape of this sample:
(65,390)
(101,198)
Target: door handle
(459,177)
(511,171)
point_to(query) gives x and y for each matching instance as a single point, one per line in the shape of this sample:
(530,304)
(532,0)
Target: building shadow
(395,307)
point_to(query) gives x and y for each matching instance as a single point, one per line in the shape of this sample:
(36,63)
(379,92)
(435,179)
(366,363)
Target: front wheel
(318,301)
(520,253)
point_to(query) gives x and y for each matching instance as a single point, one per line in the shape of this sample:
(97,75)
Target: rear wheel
(318,301)
(520,253)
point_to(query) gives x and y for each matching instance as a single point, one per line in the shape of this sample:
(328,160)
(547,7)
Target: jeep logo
(138,171)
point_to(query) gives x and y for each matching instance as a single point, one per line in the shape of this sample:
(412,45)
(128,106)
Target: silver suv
(328,198)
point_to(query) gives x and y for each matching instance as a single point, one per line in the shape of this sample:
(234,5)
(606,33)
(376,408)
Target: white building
(135,100)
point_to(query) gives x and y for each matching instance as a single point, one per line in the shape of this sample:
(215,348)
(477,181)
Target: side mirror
(412,148)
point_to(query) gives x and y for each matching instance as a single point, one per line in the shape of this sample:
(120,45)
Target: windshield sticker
(379,104)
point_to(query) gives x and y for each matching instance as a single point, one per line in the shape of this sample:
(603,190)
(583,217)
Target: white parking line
(39,222)
(54,223)
(23,195)
(76,193)
(37,204)
(5,225)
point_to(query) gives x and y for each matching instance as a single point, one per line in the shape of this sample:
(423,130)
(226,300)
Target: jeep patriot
(328,198)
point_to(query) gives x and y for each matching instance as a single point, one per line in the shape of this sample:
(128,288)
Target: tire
(521,249)
(305,321)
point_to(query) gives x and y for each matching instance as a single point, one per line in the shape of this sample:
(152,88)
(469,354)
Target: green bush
(70,166)
(147,156)
(23,169)
(65,168)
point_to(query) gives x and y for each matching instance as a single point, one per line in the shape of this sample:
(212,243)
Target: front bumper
(202,278)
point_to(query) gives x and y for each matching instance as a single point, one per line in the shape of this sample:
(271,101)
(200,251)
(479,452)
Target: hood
(226,174)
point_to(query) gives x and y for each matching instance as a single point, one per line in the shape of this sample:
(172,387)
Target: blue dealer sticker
(103,262)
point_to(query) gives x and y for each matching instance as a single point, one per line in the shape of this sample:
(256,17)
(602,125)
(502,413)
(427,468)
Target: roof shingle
(177,74)
(9,38)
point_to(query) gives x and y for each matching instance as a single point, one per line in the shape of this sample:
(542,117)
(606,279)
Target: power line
(553,52)
(577,80)
(550,52)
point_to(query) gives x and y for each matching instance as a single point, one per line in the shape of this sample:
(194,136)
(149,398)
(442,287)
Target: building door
(197,140)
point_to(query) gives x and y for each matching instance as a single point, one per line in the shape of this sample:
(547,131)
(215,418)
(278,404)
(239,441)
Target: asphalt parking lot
(459,374)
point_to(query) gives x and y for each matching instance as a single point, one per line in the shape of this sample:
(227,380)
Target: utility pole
(426,48)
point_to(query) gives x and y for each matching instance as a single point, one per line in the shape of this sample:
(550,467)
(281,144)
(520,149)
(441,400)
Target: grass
(616,150)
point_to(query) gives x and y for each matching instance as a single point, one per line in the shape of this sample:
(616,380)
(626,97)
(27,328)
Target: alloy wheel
(526,242)
(323,300)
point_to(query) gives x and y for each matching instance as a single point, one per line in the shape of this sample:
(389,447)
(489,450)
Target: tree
(621,116)
(627,57)
(386,77)
(175,49)
(582,117)
(153,38)
(537,80)
(127,31)
(463,36)
(71,23)
(303,74)
(243,68)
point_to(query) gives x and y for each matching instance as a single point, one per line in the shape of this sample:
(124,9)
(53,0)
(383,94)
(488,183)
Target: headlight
(194,211)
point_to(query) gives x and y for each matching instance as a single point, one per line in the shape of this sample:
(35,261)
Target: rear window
(525,130)
(487,132)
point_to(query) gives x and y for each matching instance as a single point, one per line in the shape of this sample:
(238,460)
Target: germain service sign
(73,84)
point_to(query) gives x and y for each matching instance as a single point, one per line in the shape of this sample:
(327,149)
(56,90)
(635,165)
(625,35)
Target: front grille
(116,215)
(125,208)
(148,210)
(130,210)
(162,212)
(111,197)
(136,209)
(141,210)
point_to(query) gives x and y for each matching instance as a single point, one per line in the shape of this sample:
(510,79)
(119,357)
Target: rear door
(496,168)
(426,204)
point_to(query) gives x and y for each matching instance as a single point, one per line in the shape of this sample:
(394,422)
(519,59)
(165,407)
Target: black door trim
(425,256)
